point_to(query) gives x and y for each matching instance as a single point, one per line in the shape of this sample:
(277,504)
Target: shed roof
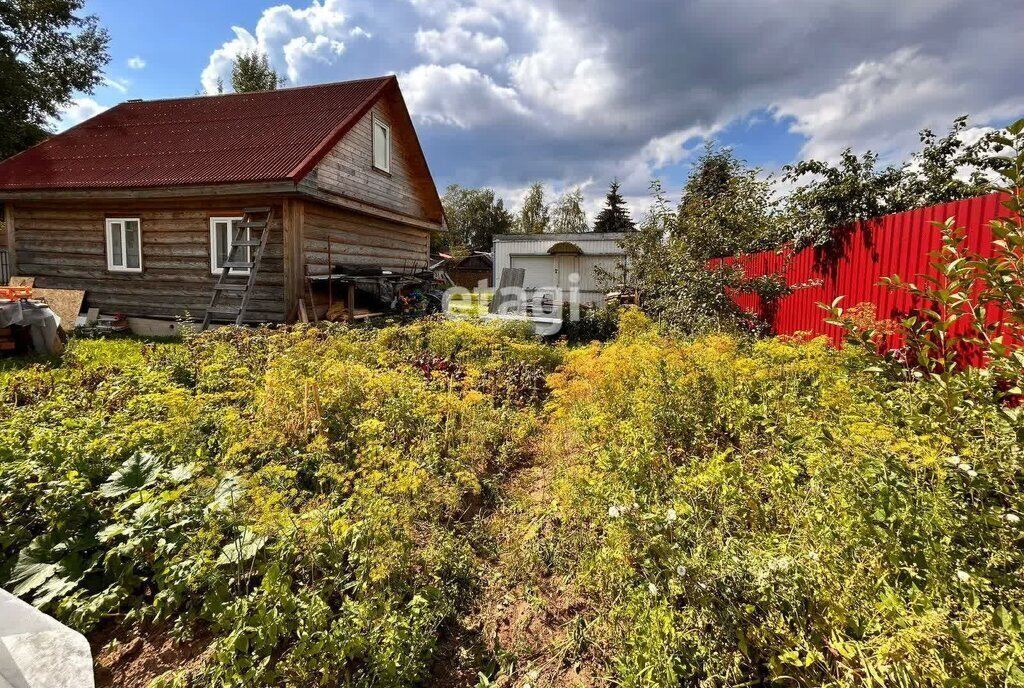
(268,136)
(572,236)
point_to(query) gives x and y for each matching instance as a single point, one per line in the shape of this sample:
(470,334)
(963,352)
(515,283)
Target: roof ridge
(200,96)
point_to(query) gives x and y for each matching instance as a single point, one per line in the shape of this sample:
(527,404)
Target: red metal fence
(896,244)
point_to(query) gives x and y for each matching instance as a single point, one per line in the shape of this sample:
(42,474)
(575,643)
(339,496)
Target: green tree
(534,217)
(48,51)
(614,217)
(673,283)
(727,208)
(474,216)
(948,169)
(251,71)
(856,188)
(839,194)
(568,215)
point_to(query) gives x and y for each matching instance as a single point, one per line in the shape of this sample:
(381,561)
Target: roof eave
(281,186)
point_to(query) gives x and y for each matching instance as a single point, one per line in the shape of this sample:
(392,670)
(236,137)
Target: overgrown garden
(452,502)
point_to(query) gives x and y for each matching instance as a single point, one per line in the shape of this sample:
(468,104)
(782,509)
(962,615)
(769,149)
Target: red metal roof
(232,138)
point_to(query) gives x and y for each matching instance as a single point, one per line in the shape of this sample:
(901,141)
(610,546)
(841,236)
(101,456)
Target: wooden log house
(136,206)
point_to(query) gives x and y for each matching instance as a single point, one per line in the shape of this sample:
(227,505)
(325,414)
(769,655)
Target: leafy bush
(965,335)
(304,496)
(595,323)
(750,515)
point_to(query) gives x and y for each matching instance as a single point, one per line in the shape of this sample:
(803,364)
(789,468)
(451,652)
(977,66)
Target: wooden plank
(293,257)
(366,230)
(324,217)
(47,274)
(66,303)
(366,208)
(340,253)
(164,192)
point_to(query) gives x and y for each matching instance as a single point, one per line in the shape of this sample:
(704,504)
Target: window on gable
(124,244)
(222,237)
(381,145)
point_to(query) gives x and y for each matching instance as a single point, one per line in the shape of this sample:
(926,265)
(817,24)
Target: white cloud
(119,85)
(218,71)
(474,15)
(294,40)
(301,51)
(881,104)
(567,71)
(136,63)
(78,111)
(671,148)
(459,96)
(457,43)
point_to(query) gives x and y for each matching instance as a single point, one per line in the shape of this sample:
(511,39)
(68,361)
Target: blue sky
(575,92)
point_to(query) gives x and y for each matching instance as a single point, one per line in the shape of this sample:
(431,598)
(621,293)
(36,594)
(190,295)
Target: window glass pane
(380,146)
(133,255)
(116,250)
(220,233)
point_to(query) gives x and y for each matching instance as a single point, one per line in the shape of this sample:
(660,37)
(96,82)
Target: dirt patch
(529,626)
(132,657)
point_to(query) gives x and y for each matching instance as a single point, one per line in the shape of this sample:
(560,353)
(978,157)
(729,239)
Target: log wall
(333,235)
(63,245)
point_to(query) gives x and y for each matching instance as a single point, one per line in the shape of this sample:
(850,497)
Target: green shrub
(305,495)
(736,514)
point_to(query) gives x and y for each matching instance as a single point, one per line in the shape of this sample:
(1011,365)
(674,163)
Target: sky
(578,92)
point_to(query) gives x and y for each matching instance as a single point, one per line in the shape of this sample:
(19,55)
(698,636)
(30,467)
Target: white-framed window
(222,237)
(124,244)
(381,145)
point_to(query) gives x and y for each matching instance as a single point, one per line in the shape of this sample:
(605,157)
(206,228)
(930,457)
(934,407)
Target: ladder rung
(237,265)
(247,242)
(254,211)
(225,286)
(214,312)
(260,224)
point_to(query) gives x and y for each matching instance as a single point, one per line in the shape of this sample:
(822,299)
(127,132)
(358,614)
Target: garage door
(540,270)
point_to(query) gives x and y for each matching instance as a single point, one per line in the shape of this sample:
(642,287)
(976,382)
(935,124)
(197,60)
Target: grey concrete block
(37,651)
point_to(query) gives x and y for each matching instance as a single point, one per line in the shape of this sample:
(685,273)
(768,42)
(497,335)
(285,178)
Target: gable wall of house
(63,245)
(348,169)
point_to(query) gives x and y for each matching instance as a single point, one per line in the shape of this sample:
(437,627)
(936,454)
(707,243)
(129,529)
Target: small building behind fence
(590,263)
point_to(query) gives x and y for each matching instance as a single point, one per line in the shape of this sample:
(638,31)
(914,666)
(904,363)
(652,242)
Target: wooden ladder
(253,219)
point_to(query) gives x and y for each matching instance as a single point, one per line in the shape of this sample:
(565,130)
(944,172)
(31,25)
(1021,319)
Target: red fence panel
(863,254)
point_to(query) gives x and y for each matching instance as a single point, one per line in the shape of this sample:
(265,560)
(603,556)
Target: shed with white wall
(561,261)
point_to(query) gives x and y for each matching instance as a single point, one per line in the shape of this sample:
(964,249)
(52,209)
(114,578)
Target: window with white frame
(124,244)
(222,238)
(381,145)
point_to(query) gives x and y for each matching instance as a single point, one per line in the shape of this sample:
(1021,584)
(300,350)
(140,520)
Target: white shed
(561,261)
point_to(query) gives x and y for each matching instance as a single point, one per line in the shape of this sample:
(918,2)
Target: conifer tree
(614,217)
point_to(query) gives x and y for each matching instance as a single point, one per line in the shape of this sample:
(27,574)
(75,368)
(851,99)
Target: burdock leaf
(134,474)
